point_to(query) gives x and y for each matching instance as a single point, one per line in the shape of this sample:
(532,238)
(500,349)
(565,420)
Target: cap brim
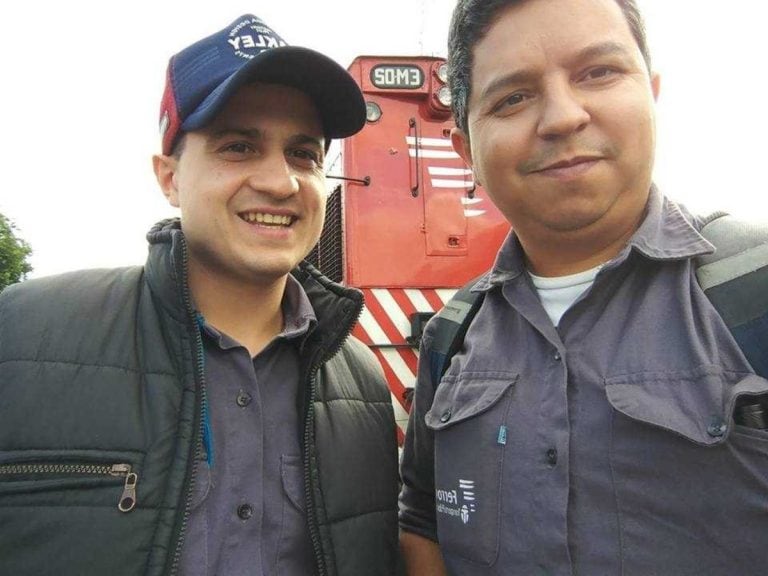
(334,92)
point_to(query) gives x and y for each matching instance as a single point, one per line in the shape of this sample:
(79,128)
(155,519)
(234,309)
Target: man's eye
(511,101)
(306,156)
(600,73)
(237,148)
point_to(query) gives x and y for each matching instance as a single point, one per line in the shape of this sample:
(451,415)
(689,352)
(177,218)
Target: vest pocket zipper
(127,500)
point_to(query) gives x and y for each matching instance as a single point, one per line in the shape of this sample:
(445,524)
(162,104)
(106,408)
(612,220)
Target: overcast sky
(82,83)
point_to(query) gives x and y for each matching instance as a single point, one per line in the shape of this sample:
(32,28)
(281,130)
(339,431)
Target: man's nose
(563,112)
(274,175)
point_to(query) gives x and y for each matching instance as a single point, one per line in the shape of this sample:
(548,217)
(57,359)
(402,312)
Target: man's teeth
(270,219)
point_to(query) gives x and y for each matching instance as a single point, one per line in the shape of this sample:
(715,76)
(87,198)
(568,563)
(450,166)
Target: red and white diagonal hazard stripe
(384,326)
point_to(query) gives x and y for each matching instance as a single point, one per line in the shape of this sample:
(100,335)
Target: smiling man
(591,421)
(209,412)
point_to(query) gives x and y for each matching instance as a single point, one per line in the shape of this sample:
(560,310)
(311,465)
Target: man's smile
(266,218)
(570,168)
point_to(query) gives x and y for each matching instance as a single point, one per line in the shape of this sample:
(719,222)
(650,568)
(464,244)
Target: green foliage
(13,254)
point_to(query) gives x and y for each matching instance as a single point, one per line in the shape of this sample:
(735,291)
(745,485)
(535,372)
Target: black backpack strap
(735,278)
(450,325)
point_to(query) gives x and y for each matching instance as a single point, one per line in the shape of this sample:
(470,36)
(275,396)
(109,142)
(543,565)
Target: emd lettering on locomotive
(393,76)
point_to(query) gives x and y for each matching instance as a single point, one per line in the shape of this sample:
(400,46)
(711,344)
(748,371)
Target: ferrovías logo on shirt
(457,502)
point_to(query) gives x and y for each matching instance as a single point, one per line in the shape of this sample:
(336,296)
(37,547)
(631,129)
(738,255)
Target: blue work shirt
(248,510)
(605,446)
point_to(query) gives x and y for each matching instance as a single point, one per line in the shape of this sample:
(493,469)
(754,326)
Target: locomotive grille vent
(328,255)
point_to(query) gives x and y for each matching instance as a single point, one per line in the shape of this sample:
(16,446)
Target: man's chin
(247,272)
(571,219)
(267,272)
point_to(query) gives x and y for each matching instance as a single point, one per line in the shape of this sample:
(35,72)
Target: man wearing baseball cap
(209,412)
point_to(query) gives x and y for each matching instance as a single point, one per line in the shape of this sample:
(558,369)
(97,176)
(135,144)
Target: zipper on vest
(309,423)
(127,500)
(200,408)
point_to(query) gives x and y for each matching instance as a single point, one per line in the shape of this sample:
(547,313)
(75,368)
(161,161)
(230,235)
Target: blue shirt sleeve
(417,496)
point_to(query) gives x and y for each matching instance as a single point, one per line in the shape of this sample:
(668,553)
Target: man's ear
(460,141)
(165,171)
(655,85)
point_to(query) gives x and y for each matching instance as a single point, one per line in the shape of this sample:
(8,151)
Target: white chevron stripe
(423,153)
(400,414)
(372,328)
(396,315)
(417,299)
(441,142)
(442,171)
(467,201)
(399,367)
(440,183)
(473,213)
(445,294)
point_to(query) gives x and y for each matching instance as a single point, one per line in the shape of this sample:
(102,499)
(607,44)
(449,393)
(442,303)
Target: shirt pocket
(197,544)
(691,487)
(202,486)
(292,545)
(467,418)
(292,476)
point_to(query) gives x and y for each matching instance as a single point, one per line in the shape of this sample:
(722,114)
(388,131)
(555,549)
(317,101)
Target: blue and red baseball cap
(202,77)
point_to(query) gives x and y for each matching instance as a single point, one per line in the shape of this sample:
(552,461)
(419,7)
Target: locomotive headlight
(442,73)
(444,96)
(372,111)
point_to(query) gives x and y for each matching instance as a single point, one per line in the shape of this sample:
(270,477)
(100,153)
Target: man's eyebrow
(607,48)
(509,79)
(255,134)
(525,76)
(251,133)
(299,139)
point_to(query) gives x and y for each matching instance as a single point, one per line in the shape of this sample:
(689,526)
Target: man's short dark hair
(470,23)
(178,146)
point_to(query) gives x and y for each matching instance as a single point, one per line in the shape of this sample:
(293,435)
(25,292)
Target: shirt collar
(298,317)
(668,232)
(298,314)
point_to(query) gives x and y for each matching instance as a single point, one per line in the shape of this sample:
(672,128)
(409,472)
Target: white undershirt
(559,293)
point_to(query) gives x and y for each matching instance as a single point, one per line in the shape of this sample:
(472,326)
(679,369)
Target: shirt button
(717,428)
(244,511)
(557,356)
(446,416)
(551,456)
(243,399)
